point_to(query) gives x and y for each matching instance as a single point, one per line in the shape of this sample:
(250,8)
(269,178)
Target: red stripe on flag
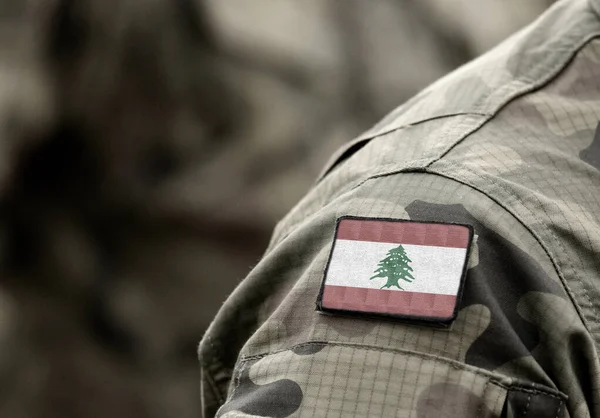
(392,302)
(416,233)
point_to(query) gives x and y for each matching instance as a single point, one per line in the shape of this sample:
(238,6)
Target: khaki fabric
(506,144)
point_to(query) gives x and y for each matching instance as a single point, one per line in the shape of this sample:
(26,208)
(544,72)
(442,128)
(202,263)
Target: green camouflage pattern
(505,144)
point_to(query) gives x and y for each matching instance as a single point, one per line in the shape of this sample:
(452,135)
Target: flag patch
(396,268)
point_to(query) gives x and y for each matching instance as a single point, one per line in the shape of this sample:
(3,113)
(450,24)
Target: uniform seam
(491,378)
(206,368)
(213,386)
(238,379)
(499,398)
(531,391)
(420,121)
(417,165)
(560,404)
(529,88)
(527,406)
(366,137)
(480,409)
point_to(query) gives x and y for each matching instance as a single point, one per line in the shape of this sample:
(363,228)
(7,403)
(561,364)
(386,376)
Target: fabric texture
(507,145)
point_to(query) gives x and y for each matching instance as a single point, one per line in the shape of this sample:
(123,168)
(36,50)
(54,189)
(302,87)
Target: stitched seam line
(480,409)
(500,399)
(559,408)
(213,386)
(419,122)
(527,406)
(206,367)
(459,140)
(238,379)
(563,280)
(410,166)
(451,363)
(529,88)
(366,137)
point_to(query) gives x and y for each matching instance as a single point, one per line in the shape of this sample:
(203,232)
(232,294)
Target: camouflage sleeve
(516,348)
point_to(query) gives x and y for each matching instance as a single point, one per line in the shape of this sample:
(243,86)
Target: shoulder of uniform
(525,62)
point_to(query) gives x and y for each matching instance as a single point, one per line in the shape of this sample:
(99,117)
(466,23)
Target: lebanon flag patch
(396,268)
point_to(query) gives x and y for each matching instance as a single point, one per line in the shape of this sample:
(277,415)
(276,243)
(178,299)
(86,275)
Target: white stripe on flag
(435,269)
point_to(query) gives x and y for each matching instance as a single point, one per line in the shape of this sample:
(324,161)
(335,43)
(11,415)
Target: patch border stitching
(423,320)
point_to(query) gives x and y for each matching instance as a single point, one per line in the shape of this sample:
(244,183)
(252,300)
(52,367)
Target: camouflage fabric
(505,144)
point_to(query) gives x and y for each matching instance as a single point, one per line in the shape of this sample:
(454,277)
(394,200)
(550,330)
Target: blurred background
(147,149)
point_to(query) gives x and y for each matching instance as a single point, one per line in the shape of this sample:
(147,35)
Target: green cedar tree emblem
(395,267)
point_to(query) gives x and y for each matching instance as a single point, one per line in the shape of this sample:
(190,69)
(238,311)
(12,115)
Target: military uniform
(505,144)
